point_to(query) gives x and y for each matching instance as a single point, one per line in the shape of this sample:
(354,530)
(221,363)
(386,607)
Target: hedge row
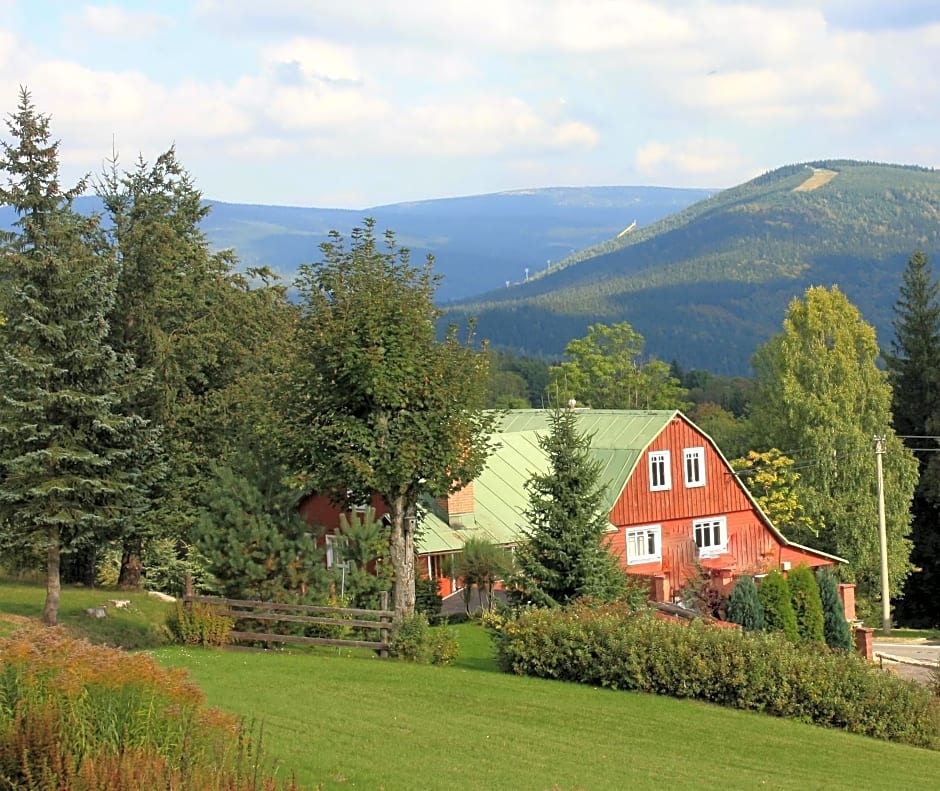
(607,645)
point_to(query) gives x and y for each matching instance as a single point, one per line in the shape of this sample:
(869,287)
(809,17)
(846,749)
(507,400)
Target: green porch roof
(618,440)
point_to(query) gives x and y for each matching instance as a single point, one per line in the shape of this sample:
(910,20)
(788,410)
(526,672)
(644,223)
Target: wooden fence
(273,612)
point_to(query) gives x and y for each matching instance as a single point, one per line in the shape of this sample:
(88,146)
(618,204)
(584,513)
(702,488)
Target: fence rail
(276,612)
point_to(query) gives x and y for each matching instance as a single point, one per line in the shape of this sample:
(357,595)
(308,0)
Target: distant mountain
(706,285)
(479,242)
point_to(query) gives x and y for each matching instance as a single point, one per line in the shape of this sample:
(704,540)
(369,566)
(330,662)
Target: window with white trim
(660,474)
(644,544)
(693,466)
(335,546)
(711,535)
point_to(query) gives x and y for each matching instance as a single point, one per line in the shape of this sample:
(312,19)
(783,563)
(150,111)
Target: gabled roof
(619,438)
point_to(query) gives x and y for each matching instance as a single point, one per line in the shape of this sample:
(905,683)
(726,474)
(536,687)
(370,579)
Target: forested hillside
(706,285)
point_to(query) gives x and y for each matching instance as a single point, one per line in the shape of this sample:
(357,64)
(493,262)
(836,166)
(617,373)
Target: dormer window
(693,466)
(660,474)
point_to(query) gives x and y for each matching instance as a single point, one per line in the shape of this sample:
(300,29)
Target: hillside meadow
(339,720)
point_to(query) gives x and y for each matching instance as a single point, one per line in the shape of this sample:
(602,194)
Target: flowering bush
(79,717)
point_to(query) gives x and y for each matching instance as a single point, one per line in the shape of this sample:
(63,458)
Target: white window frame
(703,530)
(660,470)
(333,543)
(645,533)
(693,467)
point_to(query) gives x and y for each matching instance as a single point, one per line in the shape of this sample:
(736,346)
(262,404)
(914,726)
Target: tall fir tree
(564,555)
(835,627)
(192,321)
(914,372)
(70,455)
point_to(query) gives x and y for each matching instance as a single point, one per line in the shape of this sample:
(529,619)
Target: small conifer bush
(744,605)
(807,606)
(835,627)
(774,594)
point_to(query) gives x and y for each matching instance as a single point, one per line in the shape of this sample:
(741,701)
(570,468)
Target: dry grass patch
(820,177)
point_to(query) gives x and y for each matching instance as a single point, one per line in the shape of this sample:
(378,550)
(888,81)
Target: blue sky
(355,103)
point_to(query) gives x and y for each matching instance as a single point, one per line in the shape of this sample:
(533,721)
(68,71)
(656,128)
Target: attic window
(660,473)
(694,467)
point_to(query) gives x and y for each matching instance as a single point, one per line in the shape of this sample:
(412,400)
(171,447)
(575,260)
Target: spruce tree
(807,607)
(564,555)
(914,372)
(835,627)
(256,544)
(69,453)
(203,332)
(774,595)
(744,605)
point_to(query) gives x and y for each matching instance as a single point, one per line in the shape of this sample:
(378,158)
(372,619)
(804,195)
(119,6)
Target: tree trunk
(50,612)
(402,551)
(131,564)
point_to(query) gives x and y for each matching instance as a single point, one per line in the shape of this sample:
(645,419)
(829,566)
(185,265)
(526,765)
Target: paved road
(917,651)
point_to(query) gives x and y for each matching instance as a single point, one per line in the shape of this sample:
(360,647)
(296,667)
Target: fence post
(384,628)
(187,590)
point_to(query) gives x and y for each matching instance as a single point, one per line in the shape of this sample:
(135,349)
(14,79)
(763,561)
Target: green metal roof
(618,439)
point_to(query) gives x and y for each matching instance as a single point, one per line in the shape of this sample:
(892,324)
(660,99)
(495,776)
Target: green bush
(85,718)
(807,606)
(610,646)
(427,596)
(199,624)
(744,607)
(414,640)
(835,627)
(774,594)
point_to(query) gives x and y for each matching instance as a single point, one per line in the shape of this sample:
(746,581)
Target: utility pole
(883,538)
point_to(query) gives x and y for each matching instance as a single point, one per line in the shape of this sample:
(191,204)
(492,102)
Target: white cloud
(691,160)
(113,21)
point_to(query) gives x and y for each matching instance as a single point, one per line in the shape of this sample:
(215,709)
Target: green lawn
(349,722)
(341,721)
(139,626)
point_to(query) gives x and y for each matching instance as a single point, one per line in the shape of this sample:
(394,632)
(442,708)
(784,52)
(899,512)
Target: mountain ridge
(705,285)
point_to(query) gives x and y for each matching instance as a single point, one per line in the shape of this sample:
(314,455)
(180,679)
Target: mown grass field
(342,721)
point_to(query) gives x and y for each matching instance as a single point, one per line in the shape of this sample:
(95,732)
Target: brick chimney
(459,503)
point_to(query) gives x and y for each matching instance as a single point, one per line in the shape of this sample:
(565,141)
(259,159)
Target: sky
(359,103)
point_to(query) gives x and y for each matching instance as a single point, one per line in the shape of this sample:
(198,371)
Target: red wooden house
(674,502)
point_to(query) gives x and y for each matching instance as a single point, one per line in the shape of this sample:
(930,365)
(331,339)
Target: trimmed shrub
(84,718)
(807,606)
(744,605)
(835,627)
(774,594)
(609,646)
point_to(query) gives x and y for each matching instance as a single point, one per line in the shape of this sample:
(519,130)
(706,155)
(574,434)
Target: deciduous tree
(604,370)
(821,397)
(374,401)
(770,477)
